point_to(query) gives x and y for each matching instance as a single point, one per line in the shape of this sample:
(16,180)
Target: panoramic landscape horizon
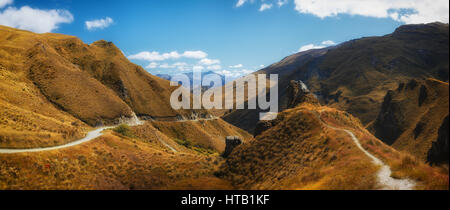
(224,95)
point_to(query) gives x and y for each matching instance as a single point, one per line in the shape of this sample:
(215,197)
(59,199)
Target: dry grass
(111,162)
(416,125)
(52,86)
(27,119)
(403,165)
(208,133)
(300,153)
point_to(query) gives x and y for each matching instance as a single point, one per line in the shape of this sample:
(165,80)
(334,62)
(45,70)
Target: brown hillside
(412,114)
(52,84)
(95,83)
(27,118)
(114,162)
(355,76)
(298,152)
(207,133)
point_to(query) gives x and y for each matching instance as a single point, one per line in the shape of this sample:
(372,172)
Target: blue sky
(229,36)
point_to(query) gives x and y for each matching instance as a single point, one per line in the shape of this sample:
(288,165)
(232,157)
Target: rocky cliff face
(231,142)
(354,76)
(298,93)
(439,150)
(411,115)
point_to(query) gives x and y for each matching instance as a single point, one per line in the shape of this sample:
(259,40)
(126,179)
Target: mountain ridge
(355,75)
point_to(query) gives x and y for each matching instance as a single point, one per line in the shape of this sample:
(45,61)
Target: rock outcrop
(264,125)
(354,76)
(231,142)
(439,150)
(411,116)
(299,93)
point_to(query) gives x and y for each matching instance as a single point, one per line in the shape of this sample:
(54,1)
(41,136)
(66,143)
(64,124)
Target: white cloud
(265,6)
(195,54)
(36,20)
(99,24)
(240,3)
(262,66)
(165,66)
(156,56)
(328,43)
(153,56)
(214,67)
(229,74)
(246,71)
(310,47)
(208,62)
(180,64)
(234,74)
(406,11)
(280,3)
(152,65)
(236,66)
(3,3)
(198,68)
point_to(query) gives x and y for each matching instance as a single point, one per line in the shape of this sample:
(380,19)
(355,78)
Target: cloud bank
(36,20)
(406,11)
(156,56)
(3,3)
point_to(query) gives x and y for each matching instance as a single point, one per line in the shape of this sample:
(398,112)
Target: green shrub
(196,147)
(124,130)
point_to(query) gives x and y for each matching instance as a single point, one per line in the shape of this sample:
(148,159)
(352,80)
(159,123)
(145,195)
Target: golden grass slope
(27,118)
(300,153)
(114,161)
(355,75)
(95,83)
(54,86)
(412,114)
(207,133)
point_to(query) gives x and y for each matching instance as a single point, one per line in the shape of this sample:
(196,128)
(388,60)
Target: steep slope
(310,147)
(83,79)
(411,116)
(355,76)
(209,134)
(28,119)
(114,162)
(54,86)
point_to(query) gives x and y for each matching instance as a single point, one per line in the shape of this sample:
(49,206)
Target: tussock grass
(124,130)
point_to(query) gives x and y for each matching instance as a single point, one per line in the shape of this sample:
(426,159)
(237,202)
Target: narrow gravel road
(90,136)
(384,174)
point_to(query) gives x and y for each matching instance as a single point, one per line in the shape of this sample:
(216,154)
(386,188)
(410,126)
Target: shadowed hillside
(114,161)
(355,76)
(54,86)
(300,151)
(411,116)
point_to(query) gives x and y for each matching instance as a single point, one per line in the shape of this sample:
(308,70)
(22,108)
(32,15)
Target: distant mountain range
(365,114)
(191,78)
(356,75)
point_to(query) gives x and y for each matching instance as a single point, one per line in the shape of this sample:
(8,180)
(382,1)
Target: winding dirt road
(90,136)
(384,174)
